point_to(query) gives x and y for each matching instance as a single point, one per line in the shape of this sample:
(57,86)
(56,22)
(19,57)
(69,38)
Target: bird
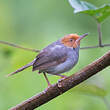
(57,58)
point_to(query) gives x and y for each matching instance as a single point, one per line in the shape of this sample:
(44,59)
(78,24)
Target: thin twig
(17,46)
(97,46)
(35,50)
(65,84)
(99,39)
(99,34)
(90,47)
(106,45)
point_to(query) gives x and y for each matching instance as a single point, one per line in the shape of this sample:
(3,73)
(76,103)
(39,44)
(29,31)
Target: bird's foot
(49,85)
(62,77)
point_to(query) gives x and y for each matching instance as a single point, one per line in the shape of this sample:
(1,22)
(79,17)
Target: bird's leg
(47,80)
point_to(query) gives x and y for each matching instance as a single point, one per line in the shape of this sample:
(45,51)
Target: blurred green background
(35,24)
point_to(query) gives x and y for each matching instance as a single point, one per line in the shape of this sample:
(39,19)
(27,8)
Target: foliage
(100,14)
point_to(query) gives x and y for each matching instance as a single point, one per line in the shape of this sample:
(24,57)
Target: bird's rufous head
(72,40)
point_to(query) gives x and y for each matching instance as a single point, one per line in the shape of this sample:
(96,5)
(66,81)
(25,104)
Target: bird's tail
(21,69)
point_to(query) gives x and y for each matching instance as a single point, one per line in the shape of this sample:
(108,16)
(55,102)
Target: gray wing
(49,58)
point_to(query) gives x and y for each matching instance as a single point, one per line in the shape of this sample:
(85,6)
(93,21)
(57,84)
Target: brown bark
(64,85)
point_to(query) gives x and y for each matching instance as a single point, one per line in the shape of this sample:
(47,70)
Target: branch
(17,46)
(64,85)
(97,46)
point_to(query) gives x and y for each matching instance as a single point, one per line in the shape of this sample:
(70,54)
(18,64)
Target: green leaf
(81,5)
(100,14)
(91,90)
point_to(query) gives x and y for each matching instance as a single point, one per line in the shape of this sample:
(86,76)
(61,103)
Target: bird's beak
(81,37)
(77,42)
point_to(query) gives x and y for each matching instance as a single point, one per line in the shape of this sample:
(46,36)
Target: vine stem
(99,34)
(17,46)
(97,46)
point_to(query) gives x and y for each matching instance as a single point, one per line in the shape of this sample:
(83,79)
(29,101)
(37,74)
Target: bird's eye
(71,40)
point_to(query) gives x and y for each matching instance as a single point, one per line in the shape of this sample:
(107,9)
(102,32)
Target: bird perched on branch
(57,58)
